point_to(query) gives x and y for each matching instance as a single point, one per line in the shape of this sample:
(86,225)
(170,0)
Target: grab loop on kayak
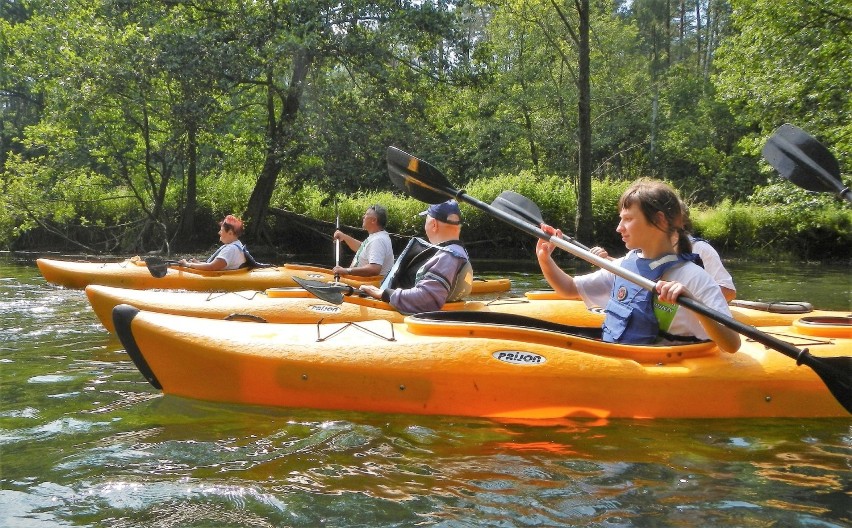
(825,326)
(245,317)
(321,338)
(506,300)
(789,307)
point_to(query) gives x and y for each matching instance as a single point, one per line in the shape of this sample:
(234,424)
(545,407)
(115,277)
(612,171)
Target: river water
(85,441)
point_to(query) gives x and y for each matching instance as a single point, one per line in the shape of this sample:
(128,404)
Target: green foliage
(313,202)
(790,61)
(33,196)
(812,231)
(222,194)
(605,213)
(114,111)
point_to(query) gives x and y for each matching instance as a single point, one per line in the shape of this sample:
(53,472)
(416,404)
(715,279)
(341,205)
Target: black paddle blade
(803,160)
(526,210)
(158,267)
(836,372)
(417,178)
(330,293)
(518,205)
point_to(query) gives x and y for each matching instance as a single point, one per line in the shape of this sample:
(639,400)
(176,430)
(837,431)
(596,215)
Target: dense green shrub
(221,195)
(777,222)
(814,232)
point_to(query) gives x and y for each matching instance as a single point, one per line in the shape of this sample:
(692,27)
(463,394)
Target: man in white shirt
(373,256)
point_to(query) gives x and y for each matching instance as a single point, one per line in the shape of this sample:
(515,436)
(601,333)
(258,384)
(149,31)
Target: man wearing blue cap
(446,277)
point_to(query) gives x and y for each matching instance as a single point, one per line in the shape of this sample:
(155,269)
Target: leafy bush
(778,222)
(817,231)
(605,214)
(225,194)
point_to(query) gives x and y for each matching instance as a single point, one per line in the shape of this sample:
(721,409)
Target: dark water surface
(85,441)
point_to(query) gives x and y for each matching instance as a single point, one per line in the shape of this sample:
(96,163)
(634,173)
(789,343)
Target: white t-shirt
(376,249)
(712,263)
(232,254)
(596,288)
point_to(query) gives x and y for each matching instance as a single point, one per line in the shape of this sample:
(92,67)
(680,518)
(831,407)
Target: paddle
(336,241)
(521,206)
(331,293)
(803,160)
(425,183)
(159,267)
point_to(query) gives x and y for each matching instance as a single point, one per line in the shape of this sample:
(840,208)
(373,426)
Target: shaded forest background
(133,126)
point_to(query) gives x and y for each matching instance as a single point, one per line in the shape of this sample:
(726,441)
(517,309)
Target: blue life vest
(630,314)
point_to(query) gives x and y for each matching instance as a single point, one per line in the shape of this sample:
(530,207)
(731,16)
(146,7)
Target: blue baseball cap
(442,211)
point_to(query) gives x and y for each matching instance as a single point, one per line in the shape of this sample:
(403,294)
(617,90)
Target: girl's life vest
(633,314)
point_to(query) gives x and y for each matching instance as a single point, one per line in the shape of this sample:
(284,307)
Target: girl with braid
(652,228)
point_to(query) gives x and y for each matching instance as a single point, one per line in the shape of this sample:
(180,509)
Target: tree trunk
(187,231)
(668,36)
(698,34)
(584,189)
(279,140)
(681,46)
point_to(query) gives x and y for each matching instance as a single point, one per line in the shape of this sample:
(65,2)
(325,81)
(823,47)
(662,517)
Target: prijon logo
(517,357)
(324,308)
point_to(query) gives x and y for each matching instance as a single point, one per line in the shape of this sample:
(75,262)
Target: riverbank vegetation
(135,126)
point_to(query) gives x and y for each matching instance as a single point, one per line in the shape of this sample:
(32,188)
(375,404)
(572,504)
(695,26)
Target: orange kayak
(133,273)
(295,305)
(487,365)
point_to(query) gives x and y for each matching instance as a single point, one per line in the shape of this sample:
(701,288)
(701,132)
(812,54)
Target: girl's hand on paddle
(371,290)
(600,252)
(669,291)
(543,248)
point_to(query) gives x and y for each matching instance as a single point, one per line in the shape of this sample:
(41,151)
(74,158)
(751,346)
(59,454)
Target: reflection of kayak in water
(133,273)
(755,313)
(472,364)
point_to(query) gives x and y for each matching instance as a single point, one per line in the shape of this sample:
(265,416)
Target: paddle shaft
(336,241)
(159,267)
